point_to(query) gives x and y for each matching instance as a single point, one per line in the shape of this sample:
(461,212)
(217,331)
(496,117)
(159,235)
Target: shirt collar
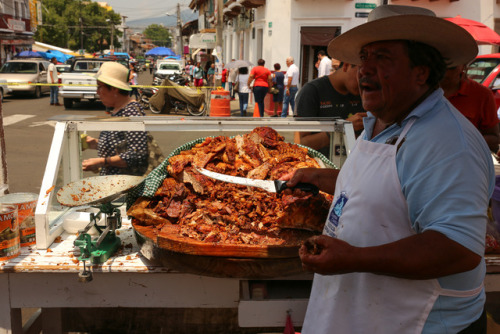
(423,108)
(463,89)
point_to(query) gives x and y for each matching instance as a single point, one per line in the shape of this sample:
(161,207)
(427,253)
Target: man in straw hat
(403,245)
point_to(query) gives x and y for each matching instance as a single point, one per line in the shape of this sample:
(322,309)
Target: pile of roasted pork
(212,211)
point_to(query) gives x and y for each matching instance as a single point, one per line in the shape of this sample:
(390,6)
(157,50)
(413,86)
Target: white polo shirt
(293,72)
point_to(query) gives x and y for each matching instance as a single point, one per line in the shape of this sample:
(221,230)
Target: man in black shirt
(335,95)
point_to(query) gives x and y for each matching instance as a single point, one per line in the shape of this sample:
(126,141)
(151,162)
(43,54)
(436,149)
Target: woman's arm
(93,164)
(250,79)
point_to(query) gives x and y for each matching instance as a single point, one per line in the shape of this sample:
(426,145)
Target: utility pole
(81,33)
(179,28)
(125,42)
(112,37)
(218,42)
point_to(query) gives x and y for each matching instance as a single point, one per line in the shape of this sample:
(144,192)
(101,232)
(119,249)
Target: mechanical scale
(98,192)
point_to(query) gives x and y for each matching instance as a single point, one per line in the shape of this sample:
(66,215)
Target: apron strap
(405,130)
(460,293)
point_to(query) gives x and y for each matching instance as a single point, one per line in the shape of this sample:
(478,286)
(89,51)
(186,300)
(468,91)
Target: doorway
(312,40)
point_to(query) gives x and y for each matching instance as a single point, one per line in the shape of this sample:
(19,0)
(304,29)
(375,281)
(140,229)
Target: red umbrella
(481,33)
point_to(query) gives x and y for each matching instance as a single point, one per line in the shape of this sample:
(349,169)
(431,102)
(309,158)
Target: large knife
(275,186)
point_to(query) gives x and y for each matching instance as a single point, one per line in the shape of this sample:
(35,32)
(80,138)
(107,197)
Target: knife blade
(275,186)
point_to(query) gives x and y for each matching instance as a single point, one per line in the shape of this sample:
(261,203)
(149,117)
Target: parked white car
(24,74)
(166,68)
(4,89)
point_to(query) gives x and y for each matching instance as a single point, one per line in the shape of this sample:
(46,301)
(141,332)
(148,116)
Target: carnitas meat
(212,211)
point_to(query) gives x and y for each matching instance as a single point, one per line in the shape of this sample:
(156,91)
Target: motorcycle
(179,98)
(177,78)
(145,94)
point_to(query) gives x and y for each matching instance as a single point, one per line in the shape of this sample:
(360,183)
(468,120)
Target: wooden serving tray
(170,239)
(195,259)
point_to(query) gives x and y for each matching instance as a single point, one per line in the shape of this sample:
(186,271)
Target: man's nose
(366,67)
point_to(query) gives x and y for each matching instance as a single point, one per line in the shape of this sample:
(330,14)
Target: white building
(276,29)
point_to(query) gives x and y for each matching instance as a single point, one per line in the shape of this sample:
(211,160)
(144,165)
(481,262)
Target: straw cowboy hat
(393,22)
(114,74)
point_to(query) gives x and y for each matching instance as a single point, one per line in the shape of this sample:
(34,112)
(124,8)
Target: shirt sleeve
(490,118)
(307,101)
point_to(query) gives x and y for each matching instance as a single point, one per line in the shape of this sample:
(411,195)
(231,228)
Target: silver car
(22,75)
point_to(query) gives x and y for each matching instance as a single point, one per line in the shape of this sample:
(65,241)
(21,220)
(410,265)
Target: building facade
(16,27)
(274,30)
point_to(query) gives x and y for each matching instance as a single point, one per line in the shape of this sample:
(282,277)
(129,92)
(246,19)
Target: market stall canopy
(38,46)
(481,32)
(118,54)
(60,56)
(202,41)
(29,54)
(176,57)
(160,51)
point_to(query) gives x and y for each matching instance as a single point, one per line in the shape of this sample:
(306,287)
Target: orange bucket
(220,103)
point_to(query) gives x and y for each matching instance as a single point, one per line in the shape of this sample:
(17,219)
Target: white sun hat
(114,74)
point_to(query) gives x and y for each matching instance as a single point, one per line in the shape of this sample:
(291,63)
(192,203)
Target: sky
(140,9)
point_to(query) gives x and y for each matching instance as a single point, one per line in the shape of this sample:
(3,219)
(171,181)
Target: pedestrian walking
(243,90)
(223,79)
(211,75)
(53,79)
(231,79)
(291,86)
(262,77)
(279,83)
(325,64)
(133,81)
(198,75)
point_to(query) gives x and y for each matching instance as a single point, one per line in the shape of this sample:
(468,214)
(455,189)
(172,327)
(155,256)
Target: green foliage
(159,34)
(62,26)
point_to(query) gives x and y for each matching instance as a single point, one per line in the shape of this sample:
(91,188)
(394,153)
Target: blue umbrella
(160,51)
(31,54)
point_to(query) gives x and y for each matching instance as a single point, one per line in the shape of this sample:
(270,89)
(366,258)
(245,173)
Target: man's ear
(421,74)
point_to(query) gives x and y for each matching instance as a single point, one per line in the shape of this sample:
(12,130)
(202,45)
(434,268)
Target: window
(481,68)
(18,67)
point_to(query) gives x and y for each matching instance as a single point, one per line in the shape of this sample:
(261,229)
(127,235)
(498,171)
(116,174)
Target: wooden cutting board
(169,238)
(227,265)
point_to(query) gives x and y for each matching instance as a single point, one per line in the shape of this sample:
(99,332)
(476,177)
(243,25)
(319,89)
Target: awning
(202,41)
(319,36)
(252,3)
(195,52)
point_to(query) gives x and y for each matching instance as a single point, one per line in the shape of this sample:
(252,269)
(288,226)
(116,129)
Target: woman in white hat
(120,152)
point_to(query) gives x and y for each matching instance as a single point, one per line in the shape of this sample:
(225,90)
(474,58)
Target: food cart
(48,276)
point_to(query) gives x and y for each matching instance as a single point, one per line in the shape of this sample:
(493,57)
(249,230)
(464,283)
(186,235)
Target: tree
(62,25)
(159,34)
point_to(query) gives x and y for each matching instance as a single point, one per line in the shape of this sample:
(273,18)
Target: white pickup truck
(79,83)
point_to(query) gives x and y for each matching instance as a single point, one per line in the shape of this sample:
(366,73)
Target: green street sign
(270,24)
(361,5)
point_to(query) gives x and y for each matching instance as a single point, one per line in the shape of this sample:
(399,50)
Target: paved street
(28,135)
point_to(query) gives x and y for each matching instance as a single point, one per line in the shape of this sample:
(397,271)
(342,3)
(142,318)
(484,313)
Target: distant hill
(168,21)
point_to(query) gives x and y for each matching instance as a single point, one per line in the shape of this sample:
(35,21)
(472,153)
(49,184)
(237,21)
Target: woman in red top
(224,76)
(262,84)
